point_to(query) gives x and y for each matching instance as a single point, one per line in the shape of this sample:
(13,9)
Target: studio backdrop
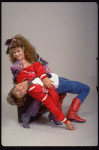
(64,33)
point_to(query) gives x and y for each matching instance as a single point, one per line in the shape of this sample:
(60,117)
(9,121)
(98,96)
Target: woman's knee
(36,103)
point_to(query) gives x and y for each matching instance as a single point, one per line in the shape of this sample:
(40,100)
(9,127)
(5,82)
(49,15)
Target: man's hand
(47,83)
(69,125)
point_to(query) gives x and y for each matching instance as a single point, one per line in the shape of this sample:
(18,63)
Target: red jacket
(30,72)
(49,99)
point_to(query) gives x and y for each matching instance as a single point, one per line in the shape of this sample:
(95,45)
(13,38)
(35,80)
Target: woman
(23,54)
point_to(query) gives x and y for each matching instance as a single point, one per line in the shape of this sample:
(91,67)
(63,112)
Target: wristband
(65,120)
(43,76)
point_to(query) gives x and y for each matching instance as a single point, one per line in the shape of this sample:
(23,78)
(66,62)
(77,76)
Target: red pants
(50,99)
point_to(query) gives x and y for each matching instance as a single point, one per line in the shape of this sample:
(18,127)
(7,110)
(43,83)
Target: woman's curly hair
(12,98)
(29,49)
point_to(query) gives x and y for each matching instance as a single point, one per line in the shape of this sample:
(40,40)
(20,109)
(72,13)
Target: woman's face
(18,53)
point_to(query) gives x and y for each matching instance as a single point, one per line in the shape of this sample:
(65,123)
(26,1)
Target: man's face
(21,89)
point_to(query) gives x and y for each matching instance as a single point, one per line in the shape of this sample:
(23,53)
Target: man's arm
(47,82)
(40,71)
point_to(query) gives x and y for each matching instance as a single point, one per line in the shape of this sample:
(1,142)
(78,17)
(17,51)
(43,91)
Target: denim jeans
(74,87)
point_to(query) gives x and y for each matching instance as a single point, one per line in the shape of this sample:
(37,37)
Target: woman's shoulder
(17,62)
(17,65)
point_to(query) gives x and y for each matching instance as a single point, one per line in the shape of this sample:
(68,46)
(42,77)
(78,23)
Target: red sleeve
(39,70)
(22,76)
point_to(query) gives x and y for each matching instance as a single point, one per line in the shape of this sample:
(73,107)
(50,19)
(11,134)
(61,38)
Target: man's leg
(74,87)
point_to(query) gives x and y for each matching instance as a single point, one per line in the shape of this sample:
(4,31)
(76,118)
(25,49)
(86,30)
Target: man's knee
(87,88)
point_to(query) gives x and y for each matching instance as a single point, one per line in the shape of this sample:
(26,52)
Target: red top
(30,72)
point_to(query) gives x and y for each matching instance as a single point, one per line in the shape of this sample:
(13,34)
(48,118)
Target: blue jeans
(74,87)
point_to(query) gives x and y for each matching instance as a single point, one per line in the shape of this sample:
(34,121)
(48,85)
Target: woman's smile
(18,53)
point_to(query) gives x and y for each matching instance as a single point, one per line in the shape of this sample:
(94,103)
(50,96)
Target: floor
(42,132)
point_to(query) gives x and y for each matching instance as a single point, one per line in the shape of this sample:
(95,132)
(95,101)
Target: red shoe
(71,115)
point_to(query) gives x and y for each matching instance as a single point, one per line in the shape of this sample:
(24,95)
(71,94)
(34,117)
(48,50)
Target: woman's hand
(47,83)
(69,125)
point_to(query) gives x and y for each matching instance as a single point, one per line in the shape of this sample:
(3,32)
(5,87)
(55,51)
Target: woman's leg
(51,116)
(31,111)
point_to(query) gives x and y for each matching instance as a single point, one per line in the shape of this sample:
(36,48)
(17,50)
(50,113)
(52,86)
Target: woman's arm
(15,69)
(40,59)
